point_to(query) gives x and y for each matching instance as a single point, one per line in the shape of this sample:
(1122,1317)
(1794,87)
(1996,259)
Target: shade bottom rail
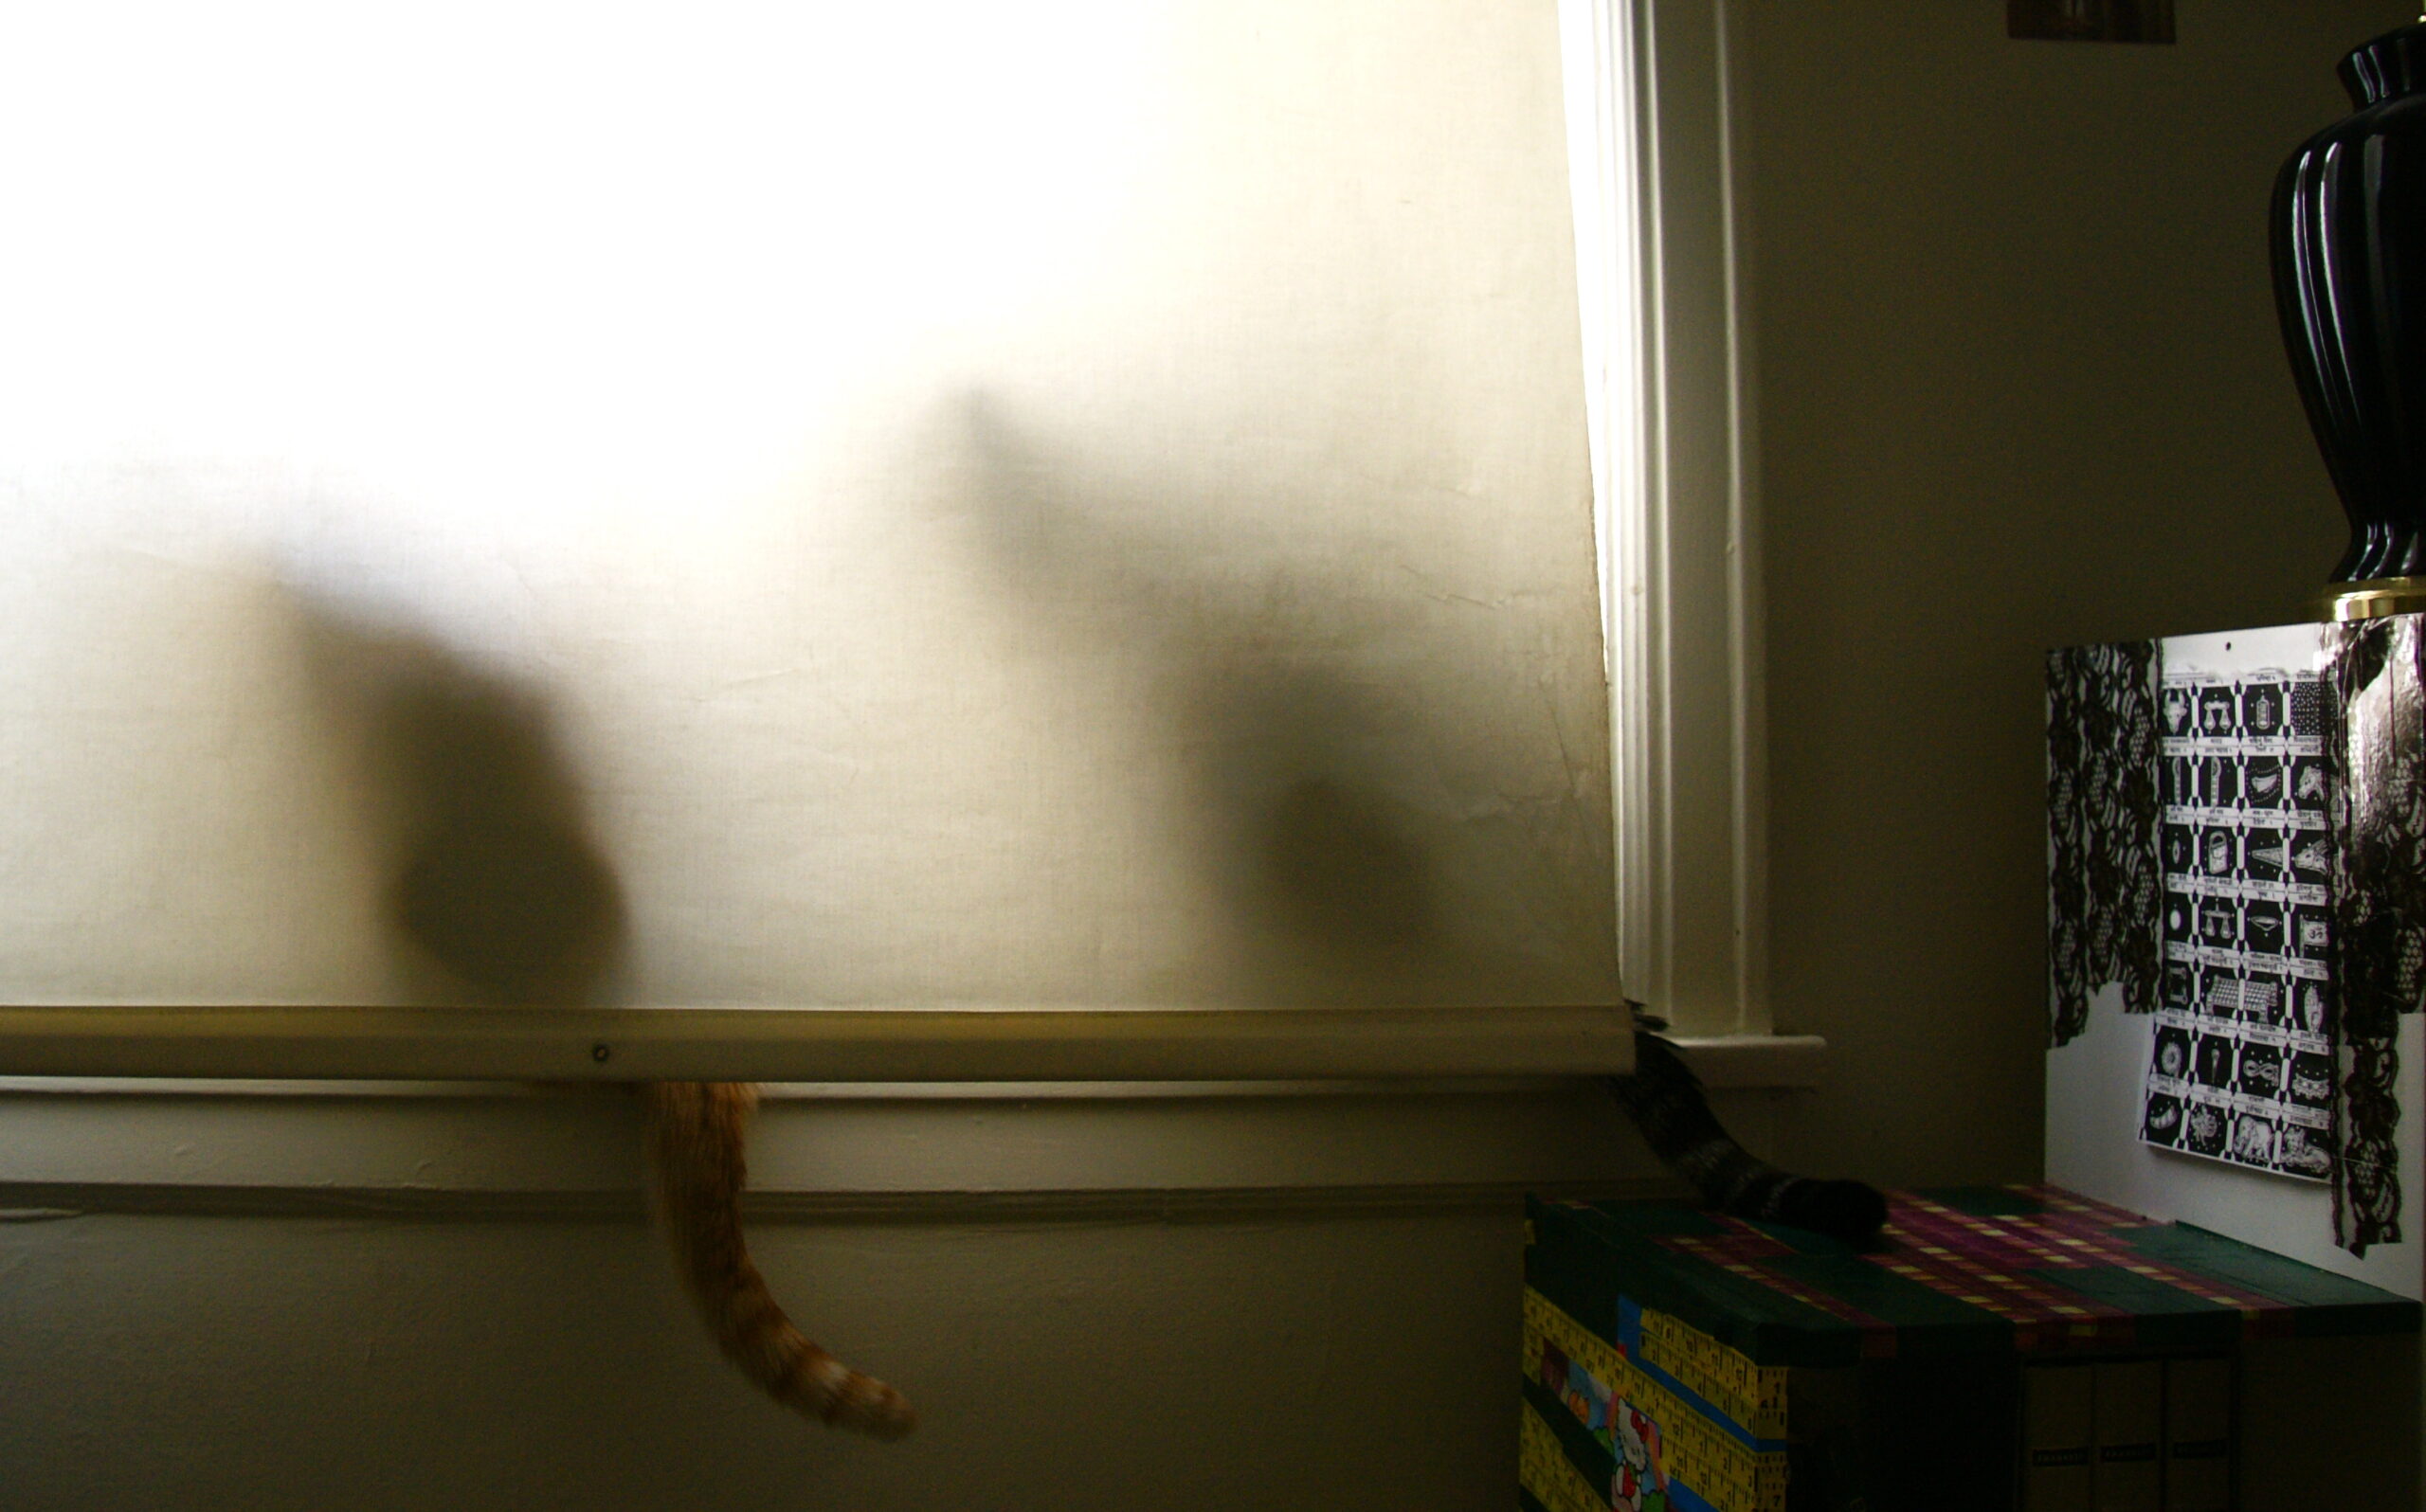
(812,1044)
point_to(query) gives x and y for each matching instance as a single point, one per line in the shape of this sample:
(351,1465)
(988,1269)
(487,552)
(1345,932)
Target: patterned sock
(1667,1103)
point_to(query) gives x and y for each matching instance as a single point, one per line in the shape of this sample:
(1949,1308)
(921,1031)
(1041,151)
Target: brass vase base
(2372,598)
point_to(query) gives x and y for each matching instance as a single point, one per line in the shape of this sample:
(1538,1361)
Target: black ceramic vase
(2349,232)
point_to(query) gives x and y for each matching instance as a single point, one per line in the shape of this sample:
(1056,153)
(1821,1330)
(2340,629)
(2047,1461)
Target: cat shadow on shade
(1300,761)
(494,890)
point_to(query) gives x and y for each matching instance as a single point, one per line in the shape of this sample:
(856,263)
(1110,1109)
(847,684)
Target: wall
(446,1296)
(344,1363)
(2019,386)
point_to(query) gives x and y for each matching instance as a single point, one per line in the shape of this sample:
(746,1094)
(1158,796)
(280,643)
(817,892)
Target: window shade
(1073,504)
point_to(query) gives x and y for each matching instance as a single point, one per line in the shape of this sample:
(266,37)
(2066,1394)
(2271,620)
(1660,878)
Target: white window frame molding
(1660,256)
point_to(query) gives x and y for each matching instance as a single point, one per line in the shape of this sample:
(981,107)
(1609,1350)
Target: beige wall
(1063,1366)
(441,1300)
(2019,386)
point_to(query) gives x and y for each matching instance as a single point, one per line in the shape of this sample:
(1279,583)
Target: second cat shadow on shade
(1345,818)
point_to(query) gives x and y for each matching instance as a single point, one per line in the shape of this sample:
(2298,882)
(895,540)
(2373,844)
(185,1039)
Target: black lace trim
(2378,749)
(2101,814)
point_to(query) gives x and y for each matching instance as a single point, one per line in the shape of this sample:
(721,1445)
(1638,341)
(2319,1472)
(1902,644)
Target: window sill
(881,1055)
(994,1150)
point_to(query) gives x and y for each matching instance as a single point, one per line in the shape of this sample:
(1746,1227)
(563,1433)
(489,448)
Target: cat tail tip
(804,1377)
(887,1416)
(818,1386)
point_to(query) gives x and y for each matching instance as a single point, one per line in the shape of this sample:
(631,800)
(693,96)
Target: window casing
(1657,249)
(1661,244)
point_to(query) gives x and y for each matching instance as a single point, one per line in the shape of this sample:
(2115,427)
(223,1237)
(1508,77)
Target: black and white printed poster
(2242,1067)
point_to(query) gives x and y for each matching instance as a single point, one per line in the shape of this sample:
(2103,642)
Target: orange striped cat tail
(696,1132)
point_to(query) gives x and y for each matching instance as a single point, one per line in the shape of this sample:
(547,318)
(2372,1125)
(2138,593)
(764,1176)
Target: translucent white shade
(1075,503)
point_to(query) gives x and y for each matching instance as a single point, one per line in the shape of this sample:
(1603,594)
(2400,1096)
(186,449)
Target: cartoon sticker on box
(1640,1479)
(1640,1483)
